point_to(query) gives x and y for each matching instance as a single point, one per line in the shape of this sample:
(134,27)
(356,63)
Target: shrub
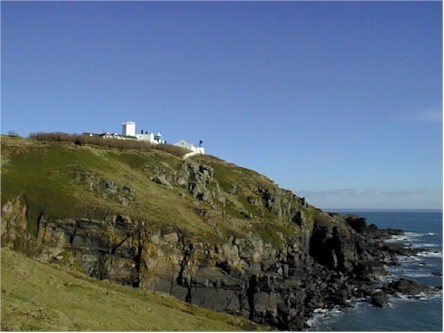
(174,150)
(80,140)
(13,134)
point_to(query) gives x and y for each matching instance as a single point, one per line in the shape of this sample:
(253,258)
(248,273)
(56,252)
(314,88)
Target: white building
(187,145)
(150,137)
(146,137)
(129,128)
(129,133)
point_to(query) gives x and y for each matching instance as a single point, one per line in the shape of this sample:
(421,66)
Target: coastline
(422,263)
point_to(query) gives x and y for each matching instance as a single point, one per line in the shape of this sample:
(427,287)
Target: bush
(174,150)
(13,134)
(81,140)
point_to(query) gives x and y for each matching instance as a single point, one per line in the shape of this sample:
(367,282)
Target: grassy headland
(62,178)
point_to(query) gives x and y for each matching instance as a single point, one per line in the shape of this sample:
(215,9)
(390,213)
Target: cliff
(203,230)
(45,297)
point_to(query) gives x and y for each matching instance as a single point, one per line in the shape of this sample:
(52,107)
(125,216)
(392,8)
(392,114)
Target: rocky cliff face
(278,286)
(272,257)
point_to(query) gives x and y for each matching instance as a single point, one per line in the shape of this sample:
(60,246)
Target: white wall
(129,128)
(185,144)
(146,137)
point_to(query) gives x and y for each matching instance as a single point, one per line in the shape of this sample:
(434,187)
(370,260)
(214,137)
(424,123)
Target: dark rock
(358,224)
(329,261)
(379,299)
(393,232)
(403,286)
(394,248)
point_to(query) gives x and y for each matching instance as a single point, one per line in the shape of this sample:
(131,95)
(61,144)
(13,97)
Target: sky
(339,102)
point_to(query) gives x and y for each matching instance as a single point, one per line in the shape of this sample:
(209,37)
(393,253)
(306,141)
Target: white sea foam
(397,238)
(398,271)
(430,254)
(414,234)
(419,245)
(407,237)
(312,322)
(408,259)
(323,317)
(322,314)
(413,274)
(421,296)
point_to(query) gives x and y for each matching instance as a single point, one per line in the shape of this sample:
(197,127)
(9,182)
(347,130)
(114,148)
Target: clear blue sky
(340,102)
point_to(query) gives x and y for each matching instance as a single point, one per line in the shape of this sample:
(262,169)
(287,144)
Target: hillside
(43,297)
(203,230)
(66,180)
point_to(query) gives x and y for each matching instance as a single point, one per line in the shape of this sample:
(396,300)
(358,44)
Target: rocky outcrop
(106,188)
(283,204)
(379,299)
(403,286)
(16,232)
(329,261)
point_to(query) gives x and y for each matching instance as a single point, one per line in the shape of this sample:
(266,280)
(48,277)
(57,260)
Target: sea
(424,312)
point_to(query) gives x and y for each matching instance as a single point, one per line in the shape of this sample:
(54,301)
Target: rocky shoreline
(388,286)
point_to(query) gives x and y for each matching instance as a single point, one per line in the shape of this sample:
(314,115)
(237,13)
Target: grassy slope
(44,175)
(38,296)
(44,297)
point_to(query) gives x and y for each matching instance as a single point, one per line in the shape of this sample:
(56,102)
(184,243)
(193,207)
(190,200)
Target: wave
(397,238)
(415,234)
(421,296)
(404,272)
(324,319)
(425,245)
(410,236)
(430,254)
(324,316)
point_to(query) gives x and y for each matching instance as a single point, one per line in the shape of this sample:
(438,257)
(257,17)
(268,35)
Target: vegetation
(204,199)
(46,176)
(58,178)
(44,297)
(80,140)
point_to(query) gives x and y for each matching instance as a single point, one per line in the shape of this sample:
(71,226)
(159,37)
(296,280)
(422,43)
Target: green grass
(44,297)
(43,175)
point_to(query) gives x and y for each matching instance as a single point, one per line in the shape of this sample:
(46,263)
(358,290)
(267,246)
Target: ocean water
(423,229)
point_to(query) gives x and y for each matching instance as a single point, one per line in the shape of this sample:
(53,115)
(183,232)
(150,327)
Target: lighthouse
(129,128)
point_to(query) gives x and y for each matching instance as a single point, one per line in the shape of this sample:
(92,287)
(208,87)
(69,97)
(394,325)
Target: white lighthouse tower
(129,128)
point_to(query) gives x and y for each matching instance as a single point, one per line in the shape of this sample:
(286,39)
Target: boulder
(403,286)
(358,224)
(161,180)
(379,299)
